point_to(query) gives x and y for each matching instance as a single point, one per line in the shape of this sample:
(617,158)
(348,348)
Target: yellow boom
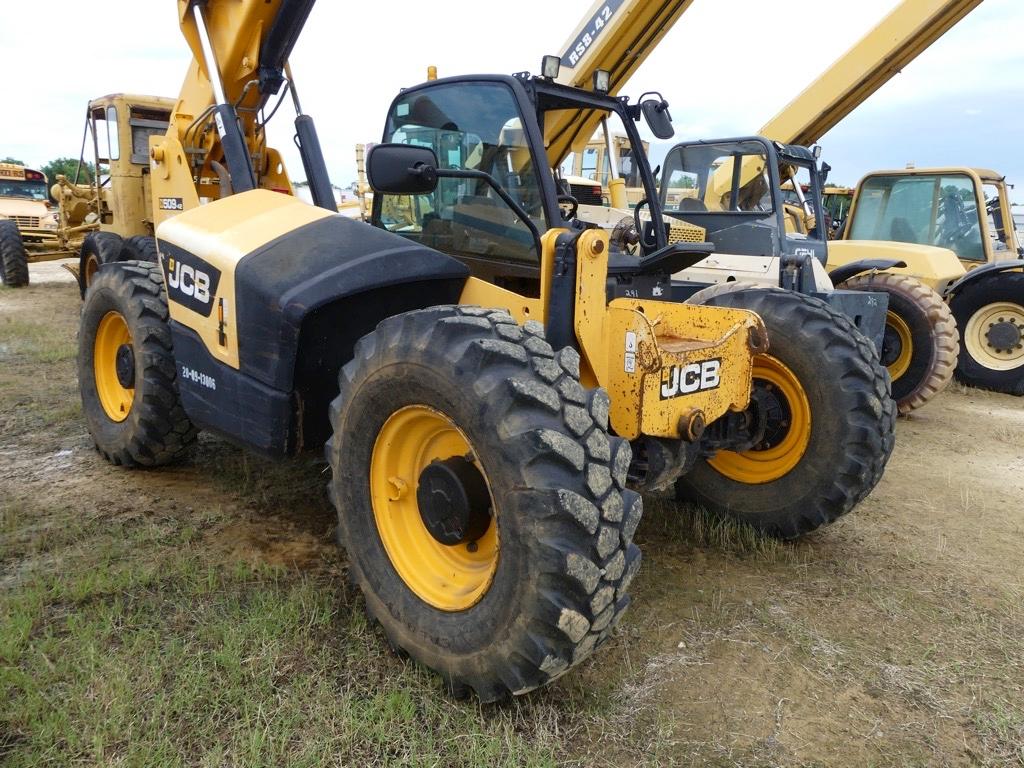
(616,36)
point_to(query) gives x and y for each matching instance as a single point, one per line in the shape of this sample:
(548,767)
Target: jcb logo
(190,281)
(677,381)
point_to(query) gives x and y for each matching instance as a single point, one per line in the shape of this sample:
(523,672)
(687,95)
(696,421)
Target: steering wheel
(645,244)
(574,206)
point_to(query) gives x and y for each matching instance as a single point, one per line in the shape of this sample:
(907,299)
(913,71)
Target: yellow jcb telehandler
(485,380)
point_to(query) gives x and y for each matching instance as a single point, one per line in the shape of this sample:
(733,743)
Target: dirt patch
(275,544)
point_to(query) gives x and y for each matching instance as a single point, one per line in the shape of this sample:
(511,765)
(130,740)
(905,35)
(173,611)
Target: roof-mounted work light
(602,81)
(551,66)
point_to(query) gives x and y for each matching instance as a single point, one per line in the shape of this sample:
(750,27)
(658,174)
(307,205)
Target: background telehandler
(772,257)
(967,211)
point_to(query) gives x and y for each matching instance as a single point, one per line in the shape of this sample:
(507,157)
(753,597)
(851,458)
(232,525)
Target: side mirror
(658,118)
(402,169)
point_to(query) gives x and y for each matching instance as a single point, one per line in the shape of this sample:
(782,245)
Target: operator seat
(691,205)
(901,231)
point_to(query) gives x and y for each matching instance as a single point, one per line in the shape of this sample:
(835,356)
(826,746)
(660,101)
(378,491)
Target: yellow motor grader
(109,218)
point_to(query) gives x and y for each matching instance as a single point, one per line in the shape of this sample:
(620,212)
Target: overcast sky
(726,67)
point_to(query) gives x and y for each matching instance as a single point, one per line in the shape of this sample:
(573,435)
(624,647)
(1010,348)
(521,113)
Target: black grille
(586,194)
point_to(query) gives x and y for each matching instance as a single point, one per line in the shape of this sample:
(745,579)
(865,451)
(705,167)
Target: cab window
(928,210)
(469,126)
(710,178)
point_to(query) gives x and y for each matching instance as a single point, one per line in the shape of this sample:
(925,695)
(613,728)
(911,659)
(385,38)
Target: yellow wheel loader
(478,434)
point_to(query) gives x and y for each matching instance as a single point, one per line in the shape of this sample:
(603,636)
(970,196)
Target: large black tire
(990,315)
(921,343)
(153,429)
(98,248)
(849,431)
(141,248)
(564,521)
(13,256)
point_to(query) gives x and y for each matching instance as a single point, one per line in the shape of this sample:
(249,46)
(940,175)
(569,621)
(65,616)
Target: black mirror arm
(448,173)
(426,172)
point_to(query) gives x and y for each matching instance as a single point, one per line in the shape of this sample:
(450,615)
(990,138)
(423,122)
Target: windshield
(27,190)
(469,126)
(936,210)
(717,178)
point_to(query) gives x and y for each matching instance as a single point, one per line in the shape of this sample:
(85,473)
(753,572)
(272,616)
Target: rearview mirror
(658,118)
(402,169)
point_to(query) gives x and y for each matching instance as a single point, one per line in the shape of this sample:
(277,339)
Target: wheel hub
(453,500)
(124,365)
(1004,335)
(782,415)
(892,347)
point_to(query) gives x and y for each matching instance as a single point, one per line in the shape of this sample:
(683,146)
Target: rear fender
(989,269)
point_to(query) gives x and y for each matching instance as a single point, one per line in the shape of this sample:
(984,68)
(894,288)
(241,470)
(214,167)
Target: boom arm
(616,36)
(898,39)
(216,142)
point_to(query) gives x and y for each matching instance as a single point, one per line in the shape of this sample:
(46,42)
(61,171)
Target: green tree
(12,161)
(69,167)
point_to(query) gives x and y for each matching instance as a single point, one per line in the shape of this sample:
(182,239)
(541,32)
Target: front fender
(938,268)
(854,268)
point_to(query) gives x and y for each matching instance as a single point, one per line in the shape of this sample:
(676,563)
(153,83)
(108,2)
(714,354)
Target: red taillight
(34,176)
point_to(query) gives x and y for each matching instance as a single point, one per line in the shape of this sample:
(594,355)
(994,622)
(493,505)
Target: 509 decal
(680,380)
(190,281)
(590,33)
(172,204)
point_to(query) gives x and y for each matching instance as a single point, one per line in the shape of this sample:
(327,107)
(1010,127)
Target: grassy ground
(199,615)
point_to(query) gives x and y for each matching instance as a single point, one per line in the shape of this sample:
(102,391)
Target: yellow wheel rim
(92,264)
(789,429)
(110,335)
(982,347)
(899,327)
(450,578)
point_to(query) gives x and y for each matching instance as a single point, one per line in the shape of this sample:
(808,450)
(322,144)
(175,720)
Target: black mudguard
(302,302)
(854,268)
